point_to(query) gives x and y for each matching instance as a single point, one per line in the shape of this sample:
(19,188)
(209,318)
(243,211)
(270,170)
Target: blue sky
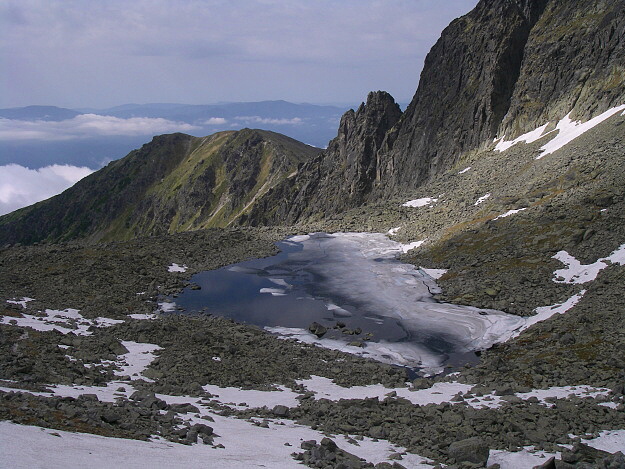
(88,53)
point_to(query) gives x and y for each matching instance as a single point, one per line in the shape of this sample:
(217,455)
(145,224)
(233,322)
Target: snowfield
(566,131)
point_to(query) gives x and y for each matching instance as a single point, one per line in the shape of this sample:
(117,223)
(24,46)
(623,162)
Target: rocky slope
(498,218)
(505,68)
(174,183)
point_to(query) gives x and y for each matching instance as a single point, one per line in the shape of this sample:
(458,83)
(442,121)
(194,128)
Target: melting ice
(352,284)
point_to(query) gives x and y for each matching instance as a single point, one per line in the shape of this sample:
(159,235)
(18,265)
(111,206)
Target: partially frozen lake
(353,285)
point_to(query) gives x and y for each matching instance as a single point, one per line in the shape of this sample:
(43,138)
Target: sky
(97,54)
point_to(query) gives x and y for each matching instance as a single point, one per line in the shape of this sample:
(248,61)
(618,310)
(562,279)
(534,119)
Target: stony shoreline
(202,349)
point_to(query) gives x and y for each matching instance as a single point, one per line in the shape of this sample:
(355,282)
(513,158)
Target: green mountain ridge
(174,183)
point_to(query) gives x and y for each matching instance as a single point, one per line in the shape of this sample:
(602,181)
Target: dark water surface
(305,290)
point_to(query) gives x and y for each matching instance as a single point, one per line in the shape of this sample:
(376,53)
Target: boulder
(473,450)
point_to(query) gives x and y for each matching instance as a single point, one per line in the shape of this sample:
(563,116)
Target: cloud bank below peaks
(87,126)
(20,186)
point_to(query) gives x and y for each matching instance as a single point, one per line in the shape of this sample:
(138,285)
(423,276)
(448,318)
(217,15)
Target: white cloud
(216,121)
(88,125)
(267,120)
(20,186)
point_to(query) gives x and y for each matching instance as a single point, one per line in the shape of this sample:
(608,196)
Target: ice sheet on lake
(273,291)
(360,269)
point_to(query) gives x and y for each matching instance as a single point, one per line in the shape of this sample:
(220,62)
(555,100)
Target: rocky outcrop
(574,60)
(342,176)
(505,68)
(464,92)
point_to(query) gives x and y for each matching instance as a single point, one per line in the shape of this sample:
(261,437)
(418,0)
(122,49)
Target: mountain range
(482,81)
(37,136)
(504,174)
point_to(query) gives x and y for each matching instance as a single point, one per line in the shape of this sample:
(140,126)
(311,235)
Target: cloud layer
(74,53)
(86,126)
(20,186)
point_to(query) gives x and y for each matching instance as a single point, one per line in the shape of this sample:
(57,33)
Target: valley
(488,194)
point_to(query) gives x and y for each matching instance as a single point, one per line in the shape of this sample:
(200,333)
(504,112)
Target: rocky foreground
(84,376)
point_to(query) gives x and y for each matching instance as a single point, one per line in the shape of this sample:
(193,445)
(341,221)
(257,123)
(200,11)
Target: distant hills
(309,123)
(46,113)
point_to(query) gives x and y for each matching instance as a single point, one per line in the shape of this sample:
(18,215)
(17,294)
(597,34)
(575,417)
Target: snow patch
(393,231)
(564,392)
(234,397)
(21,302)
(407,247)
(148,316)
(569,130)
(528,137)
(608,440)
(245,445)
(325,388)
(509,212)
(482,199)
(543,313)
(420,202)
(465,170)
(526,457)
(135,362)
(177,268)
(576,272)
(65,321)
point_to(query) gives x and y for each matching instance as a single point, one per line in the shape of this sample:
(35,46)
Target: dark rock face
(507,67)
(574,60)
(340,177)
(464,92)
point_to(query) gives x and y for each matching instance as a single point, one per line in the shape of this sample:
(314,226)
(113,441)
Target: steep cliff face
(464,92)
(574,60)
(174,183)
(340,177)
(507,67)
